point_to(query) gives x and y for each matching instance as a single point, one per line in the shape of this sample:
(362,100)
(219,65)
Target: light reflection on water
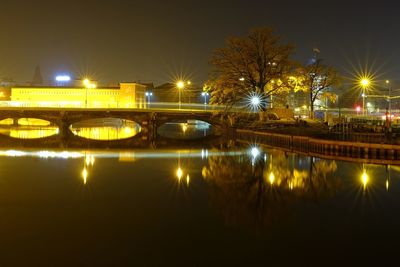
(192,129)
(176,196)
(27,128)
(29,132)
(106,129)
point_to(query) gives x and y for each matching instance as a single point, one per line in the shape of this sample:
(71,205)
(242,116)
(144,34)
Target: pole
(390,107)
(86,102)
(363,97)
(179,93)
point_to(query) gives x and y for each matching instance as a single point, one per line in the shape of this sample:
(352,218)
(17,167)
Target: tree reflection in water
(262,191)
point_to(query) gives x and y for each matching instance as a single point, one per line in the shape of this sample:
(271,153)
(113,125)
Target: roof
(61,87)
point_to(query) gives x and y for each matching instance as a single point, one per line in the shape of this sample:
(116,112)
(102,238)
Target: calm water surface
(194,207)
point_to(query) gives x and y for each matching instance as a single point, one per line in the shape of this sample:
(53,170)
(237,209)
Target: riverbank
(315,139)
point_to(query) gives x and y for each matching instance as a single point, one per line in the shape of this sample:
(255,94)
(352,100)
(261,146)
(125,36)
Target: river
(232,204)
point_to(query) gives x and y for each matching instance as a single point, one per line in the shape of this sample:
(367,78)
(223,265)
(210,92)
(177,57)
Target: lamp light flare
(255,101)
(365,82)
(63,78)
(255,152)
(180,84)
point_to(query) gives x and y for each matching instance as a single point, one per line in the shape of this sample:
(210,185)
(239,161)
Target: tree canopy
(318,80)
(256,63)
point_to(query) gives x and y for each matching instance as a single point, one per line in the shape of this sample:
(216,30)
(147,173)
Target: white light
(255,101)
(255,152)
(63,78)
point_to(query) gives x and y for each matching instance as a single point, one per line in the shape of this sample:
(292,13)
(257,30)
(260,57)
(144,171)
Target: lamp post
(180,85)
(364,84)
(205,94)
(149,95)
(88,85)
(390,102)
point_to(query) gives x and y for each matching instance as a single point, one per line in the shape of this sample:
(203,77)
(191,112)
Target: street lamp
(389,98)
(149,95)
(88,85)
(364,84)
(205,94)
(180,85)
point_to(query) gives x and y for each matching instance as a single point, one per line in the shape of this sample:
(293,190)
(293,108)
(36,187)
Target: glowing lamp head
(358,108)
(86,82)
(255,152)
(255,101)
(180,84)
(365,82)
(63,78)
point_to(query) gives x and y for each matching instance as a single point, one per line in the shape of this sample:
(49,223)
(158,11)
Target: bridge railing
(156,106)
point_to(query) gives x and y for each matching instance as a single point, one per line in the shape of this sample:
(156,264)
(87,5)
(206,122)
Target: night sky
(159,41)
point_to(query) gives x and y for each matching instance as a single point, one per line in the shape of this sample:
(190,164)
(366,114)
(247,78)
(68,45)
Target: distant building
(37,77)
(127,95)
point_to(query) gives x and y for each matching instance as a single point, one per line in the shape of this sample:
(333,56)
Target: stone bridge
(148,119)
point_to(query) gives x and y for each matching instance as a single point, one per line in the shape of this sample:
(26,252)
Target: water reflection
(30,132)
(88,162)
(27,128)
(106,129)
(191,129)
(251,190)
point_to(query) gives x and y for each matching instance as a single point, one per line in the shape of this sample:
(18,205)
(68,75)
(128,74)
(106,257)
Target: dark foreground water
(194,208)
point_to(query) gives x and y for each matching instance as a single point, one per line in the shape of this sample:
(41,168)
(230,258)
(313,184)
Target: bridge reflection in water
(109,129)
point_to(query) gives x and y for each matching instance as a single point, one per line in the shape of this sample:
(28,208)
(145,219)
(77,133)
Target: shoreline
(343,150)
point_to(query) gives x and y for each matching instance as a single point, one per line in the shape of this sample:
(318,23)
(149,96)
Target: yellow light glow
(364,178)
(187,179)
(271,178)
(179,173)
(87,160)
(106,133)
(8,121)
(387,81)
(86,82)
(184,127)
(32,122)
(387,185)
(189,82)
(365,82)
(84,175)
(180,84)
(33,133)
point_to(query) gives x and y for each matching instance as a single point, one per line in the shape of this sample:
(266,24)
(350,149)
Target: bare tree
(250,64)
(318,80)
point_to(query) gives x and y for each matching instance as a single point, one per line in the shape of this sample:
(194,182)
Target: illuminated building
(127,95)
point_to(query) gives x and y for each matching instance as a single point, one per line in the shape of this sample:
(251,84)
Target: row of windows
(37,92)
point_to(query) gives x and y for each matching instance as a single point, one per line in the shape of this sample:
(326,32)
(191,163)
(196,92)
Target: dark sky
(160,40)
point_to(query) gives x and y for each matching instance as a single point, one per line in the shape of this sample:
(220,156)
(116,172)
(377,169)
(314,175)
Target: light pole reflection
(364,178)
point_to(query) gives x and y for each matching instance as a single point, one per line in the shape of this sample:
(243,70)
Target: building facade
(127,95)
